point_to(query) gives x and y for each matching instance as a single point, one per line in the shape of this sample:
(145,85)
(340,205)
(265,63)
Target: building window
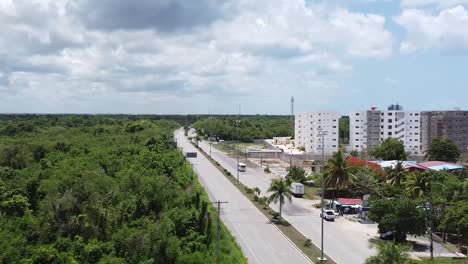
(334,126)
(357,114)
(389,127)
(390,120)
(334,146)
(389,133)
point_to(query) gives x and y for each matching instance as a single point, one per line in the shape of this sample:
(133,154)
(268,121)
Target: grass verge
(302,242)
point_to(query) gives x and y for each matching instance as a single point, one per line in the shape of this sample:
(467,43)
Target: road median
(302,243)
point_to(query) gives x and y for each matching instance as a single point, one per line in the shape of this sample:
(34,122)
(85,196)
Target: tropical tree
(443,150)
(456,220)
(279,192)
(365,181)
(417,184)
(397,174)
(401,215)
(296,174)
(338,174)
(390,253)
(390,149)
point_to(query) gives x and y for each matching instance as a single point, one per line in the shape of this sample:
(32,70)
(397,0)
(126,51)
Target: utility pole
(290,158)
(218,232)
(430,219)
(245,151)
(322,134)
(238,143)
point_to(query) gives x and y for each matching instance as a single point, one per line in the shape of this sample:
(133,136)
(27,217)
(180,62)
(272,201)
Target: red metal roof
(433,163)
(349,201)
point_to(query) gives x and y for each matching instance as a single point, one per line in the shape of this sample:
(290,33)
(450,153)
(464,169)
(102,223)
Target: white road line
(268,220)
(242,237)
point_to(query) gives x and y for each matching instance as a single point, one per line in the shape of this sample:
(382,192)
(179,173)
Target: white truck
(297,189)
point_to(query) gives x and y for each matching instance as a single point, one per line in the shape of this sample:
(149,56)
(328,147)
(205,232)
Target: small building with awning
(347,205)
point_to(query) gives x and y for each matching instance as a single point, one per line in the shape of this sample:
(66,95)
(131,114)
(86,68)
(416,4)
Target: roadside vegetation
(102,190)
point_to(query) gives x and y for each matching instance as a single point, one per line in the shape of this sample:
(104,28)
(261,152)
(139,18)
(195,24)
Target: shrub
(307,243)
(274,214)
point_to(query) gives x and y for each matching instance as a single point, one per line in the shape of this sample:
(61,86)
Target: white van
(242,167)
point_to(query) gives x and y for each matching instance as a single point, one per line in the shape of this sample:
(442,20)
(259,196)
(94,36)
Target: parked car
(391,235)
(328,215)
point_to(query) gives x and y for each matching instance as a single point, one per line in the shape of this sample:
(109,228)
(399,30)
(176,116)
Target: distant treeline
(247,128)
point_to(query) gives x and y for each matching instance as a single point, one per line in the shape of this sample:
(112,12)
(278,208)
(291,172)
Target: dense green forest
(90,189)
(255,127)
(247,128)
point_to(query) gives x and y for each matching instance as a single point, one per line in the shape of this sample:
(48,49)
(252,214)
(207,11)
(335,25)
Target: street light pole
(218,231)
(322,134)
(430,220)
(290,158)
(238,148)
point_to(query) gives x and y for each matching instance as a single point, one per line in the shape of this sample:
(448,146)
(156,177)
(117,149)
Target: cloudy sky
(209,56)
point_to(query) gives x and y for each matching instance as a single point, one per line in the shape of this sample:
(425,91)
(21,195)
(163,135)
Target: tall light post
(210,147)
(218,230)
(322,134)
(238,148)
(429,207)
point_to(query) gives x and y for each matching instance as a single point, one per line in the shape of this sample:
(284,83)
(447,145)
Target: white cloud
(58,50)
(433,3)
(447,30)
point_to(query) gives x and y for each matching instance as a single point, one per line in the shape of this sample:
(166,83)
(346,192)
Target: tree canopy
(400,214)
(102,190)
(390,149)
(443,150)
(248,129)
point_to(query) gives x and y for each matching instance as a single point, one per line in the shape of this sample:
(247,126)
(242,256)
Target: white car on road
(328,215)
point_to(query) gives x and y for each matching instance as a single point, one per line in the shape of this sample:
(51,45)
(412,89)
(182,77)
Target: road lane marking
(306,258)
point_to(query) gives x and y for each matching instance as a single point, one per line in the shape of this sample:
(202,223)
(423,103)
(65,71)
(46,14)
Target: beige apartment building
(451,125)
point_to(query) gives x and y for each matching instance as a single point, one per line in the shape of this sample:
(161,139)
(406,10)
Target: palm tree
(417,184)
(397,174)
(257,191)
(365,181)
(279,191)
(389,253)
(338,173)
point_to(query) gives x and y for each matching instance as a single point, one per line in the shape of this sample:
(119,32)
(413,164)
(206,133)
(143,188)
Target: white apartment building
(307,127)
(369,128)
